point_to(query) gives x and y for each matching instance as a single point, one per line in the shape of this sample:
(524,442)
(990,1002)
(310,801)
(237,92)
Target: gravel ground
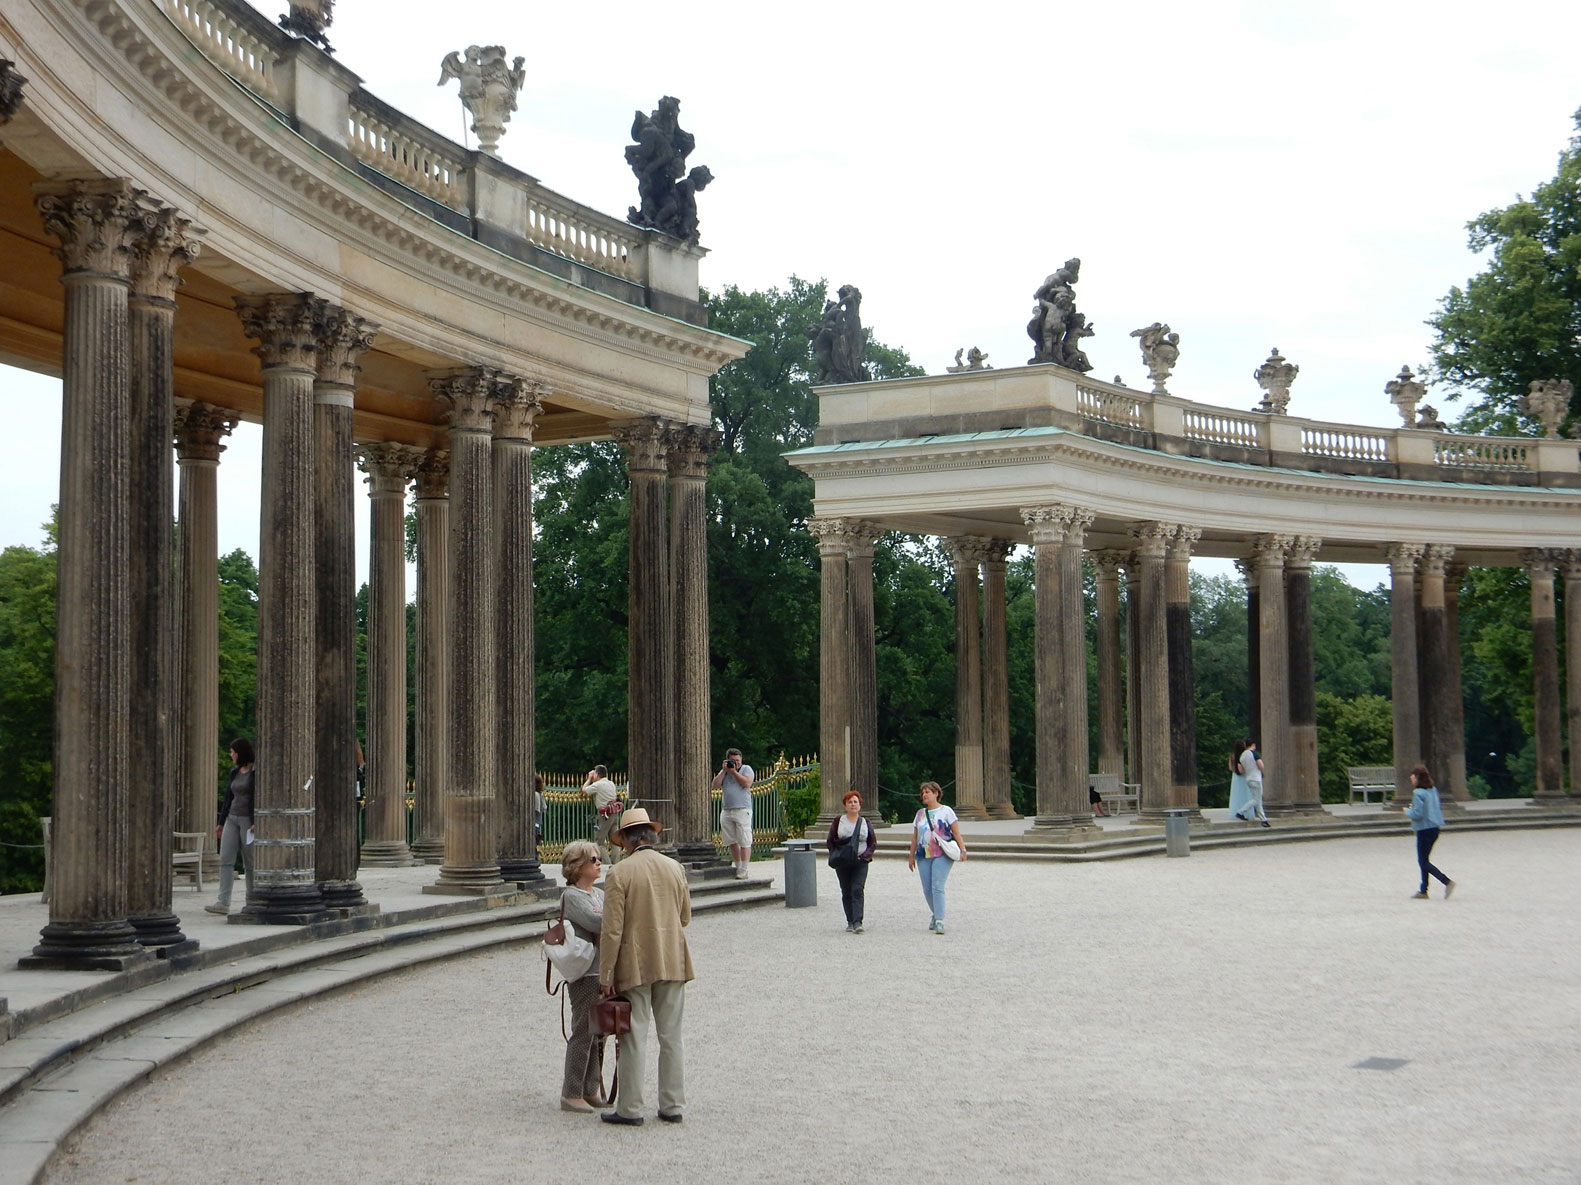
(1190,1020)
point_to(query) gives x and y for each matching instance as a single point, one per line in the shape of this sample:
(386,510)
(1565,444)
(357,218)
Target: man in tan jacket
(643,956)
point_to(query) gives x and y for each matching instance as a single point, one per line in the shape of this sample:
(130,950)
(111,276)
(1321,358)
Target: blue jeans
(934,871)
(1425,839)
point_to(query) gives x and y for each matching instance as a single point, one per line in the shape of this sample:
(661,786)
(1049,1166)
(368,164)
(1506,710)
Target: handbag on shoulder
(847,854)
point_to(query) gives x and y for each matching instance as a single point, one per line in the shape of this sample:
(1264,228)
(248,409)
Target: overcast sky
(1297,175)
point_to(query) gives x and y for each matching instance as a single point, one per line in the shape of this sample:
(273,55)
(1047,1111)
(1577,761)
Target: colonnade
(136,673)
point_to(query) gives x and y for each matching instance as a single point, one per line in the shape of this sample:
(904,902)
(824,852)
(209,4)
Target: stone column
(966,552)
(285,858)
(834,665)
(1182,674)
(342,339)
(1111,758)
(1273,648)
(689,449)
(95,223)
(471,864)
(166,244)
(198,430)
(389,467)
(1402,559)
(648,635)
(433,656)
(1133,675)
(863,750)
(1550,789)
(519,403)
(1433,659)
(1305,796)
(996,685)
(1254,667)
(1453,792)
(1152,637)
(1572,564)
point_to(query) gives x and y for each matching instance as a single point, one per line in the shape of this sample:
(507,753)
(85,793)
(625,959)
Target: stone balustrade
(236,38)
(386,140)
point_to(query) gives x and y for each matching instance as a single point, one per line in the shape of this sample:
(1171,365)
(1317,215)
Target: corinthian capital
(690,446)
(517,404)
(1152,539)
(343,338)
(466,397)
(388,466)
(643,441)
(199,429)
(95,221)
(433,474)
(11,84)
(1269,551)
(1303,550)
(163,244)
(285,326)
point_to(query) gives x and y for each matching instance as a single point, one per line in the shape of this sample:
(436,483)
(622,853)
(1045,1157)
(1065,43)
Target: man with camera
(734,780)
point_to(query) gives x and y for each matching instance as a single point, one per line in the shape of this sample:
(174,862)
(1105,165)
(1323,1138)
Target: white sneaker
(741,873)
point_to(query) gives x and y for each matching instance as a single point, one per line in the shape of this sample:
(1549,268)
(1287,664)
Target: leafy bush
(802,804)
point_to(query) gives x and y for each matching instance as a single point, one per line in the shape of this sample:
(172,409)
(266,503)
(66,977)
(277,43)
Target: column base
(176,949)
(698,856)
(366,910)
(160,929)
(1550,800)
(429,851)
(481,880)
(86,946)
(388,854)
(342,895)
(523,872)
(1064,829)
(970,811)
(1003,810)
(1155,816)
(281,905)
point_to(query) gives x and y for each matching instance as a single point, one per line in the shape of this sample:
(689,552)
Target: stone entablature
(1051,397)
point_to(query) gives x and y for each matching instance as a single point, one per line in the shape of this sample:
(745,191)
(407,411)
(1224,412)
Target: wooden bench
(1117,796)
(186,856)
(1367,780)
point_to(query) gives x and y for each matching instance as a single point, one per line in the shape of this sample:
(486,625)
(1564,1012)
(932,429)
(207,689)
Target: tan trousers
(663,1003)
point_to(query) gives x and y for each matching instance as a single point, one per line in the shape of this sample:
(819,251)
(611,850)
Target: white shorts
(735,827)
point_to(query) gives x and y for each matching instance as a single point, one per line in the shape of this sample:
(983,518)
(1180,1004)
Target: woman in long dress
(1240,796)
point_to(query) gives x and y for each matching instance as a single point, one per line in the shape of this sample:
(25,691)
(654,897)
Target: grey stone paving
(1143,1020)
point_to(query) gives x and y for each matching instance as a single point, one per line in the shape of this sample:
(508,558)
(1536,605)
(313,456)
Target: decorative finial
(1160,352)
(1547,401)
(309,19)
(488,90)
(1275,376)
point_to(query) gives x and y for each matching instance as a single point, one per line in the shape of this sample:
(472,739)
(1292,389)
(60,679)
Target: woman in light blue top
(1426,816)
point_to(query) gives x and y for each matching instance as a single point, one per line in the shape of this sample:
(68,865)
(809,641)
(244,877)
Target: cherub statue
(1056,327)
(488,89)
(1160,351)
(658,158)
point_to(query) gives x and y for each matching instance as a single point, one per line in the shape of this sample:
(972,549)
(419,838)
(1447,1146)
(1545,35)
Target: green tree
(1520,318)
(238,649)
(27,681)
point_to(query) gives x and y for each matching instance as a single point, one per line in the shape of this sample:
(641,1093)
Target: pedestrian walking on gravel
(1427,816)
(583,906)
(851,842)
(935,848)
(235,824)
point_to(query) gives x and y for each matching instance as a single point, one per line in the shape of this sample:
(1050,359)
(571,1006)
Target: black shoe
(617,1117)
(675,1118)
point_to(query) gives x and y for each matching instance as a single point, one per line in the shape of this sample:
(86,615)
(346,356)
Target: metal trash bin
(1177,832)
(801,873)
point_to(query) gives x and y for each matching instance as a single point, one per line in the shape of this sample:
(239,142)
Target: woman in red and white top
(932,824)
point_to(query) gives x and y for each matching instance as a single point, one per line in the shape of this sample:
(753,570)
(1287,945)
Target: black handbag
(848,854)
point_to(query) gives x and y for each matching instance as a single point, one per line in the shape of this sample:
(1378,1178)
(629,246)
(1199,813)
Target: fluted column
(1254,691)
(388,468)
(1550,788)
(1453,793)
(432,767)
(166,243)
(1433,658)
(1133,670)
(1182,673)
(1305,796)
(966,552)
(1152,642)
(996,685)
(834,665)
(1572,567)
(88,927)
(1402,559)
(1273,648)
(199,429)
(471,864)
(342,339)
(649,641)
(285,857)
(1111,759)
(861,536)
(519,402)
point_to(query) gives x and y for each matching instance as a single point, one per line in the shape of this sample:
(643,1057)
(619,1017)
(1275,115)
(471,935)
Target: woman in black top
(235,824)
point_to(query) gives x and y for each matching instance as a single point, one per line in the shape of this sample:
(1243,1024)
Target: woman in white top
(933,823)
(848,834)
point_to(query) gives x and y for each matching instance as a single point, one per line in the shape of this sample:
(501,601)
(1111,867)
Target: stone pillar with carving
(199,429)
(388,467)
(432,765)
(1550,788)
(1302,759)
(861,537)
(1273,647)
(1432,650)
(471,864)
(996,685)
(1111,759)
(519,403)
(966,553)
(284,853)
(1403,665)
(96,224)
(1182,673)
(1452,791)
(689,448)
(343,338)
(1572,569)
(1152,637)
(166,243)
(1133,676)
(834,665)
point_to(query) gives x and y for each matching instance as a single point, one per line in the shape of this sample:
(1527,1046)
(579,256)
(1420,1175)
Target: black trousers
(1425,839)
(853,881)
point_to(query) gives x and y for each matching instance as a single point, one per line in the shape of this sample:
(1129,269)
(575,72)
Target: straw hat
(636,817)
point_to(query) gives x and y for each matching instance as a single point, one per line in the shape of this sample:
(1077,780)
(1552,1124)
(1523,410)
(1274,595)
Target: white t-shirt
(1249,769)
(603,793)
(942,816)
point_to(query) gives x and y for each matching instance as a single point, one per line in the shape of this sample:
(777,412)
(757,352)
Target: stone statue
(1274,377)
(668,193)
(839,343)
(309,19)
(11,84)
(1160,351)
(1428,418)
(1547,401)
(1405,393)
(975,360)
(1056,328)
(488,89)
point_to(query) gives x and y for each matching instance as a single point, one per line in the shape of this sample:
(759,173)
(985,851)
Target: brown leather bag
(554,933)
(611,1016)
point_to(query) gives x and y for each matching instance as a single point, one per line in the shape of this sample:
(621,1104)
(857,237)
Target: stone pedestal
(1404,676)
(433,656)
(1182,673)
(996,685)
(1549,791)
(285,857)
(967,554)
(1273,647)
(1152,641)
(1305,796)
(384,845)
